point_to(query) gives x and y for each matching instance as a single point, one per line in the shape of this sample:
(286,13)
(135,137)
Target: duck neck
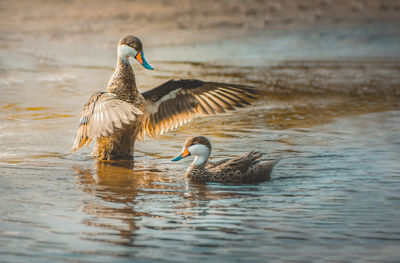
(201,153)
(122,82)
(200,160)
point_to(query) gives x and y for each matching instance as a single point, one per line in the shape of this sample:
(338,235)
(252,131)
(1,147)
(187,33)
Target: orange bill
(184,154)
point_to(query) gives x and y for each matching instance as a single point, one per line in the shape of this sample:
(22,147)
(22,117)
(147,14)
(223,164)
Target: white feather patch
(152,107)
(125,52)
(201,152)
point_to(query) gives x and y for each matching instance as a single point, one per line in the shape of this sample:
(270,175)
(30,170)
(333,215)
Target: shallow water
(334,196)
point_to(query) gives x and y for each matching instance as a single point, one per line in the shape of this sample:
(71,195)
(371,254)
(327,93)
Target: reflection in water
(15,112)
(115,186)
(198,195)
(121,193)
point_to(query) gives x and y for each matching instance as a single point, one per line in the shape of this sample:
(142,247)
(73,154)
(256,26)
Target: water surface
(334,123)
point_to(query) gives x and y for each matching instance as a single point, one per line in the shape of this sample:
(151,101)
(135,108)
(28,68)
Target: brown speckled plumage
(120,144)
(119,116)
(247,168)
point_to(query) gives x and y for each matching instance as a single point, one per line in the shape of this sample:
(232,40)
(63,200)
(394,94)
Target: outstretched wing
(178,101)
(101,115)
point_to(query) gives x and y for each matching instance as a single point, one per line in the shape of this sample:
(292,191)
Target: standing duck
(118,116)
(247,168)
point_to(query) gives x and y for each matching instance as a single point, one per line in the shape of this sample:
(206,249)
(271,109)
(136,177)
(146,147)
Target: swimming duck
(119,116)
(247,168)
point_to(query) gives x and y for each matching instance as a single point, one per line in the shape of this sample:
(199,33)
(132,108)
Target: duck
(247,168)
(121,115)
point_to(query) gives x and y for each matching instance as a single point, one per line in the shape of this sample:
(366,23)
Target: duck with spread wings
(119,116)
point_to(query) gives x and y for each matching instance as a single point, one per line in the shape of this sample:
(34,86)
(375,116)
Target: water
(334,196)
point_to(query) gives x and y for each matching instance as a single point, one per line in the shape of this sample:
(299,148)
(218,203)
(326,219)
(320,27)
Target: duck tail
(267,167)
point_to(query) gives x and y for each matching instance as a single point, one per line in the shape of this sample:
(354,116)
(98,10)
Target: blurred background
(53,47)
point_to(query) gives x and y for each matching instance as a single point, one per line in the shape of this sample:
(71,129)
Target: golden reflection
(302,111)
(299,94)
(14,112)
(115,186)
(118,188)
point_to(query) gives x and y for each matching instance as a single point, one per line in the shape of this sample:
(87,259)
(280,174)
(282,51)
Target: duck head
(198,146)
(130,46)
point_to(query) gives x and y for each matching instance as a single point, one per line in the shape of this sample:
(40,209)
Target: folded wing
(176,102)
(241,163)
(103,113)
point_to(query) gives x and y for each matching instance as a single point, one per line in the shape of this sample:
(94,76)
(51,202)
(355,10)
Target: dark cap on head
(131,41)
(197,140)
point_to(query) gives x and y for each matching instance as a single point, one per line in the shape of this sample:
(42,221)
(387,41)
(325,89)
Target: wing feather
(218,106)
(221,101)
(101,115)
(241,163)
(176,102)
(204,103)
